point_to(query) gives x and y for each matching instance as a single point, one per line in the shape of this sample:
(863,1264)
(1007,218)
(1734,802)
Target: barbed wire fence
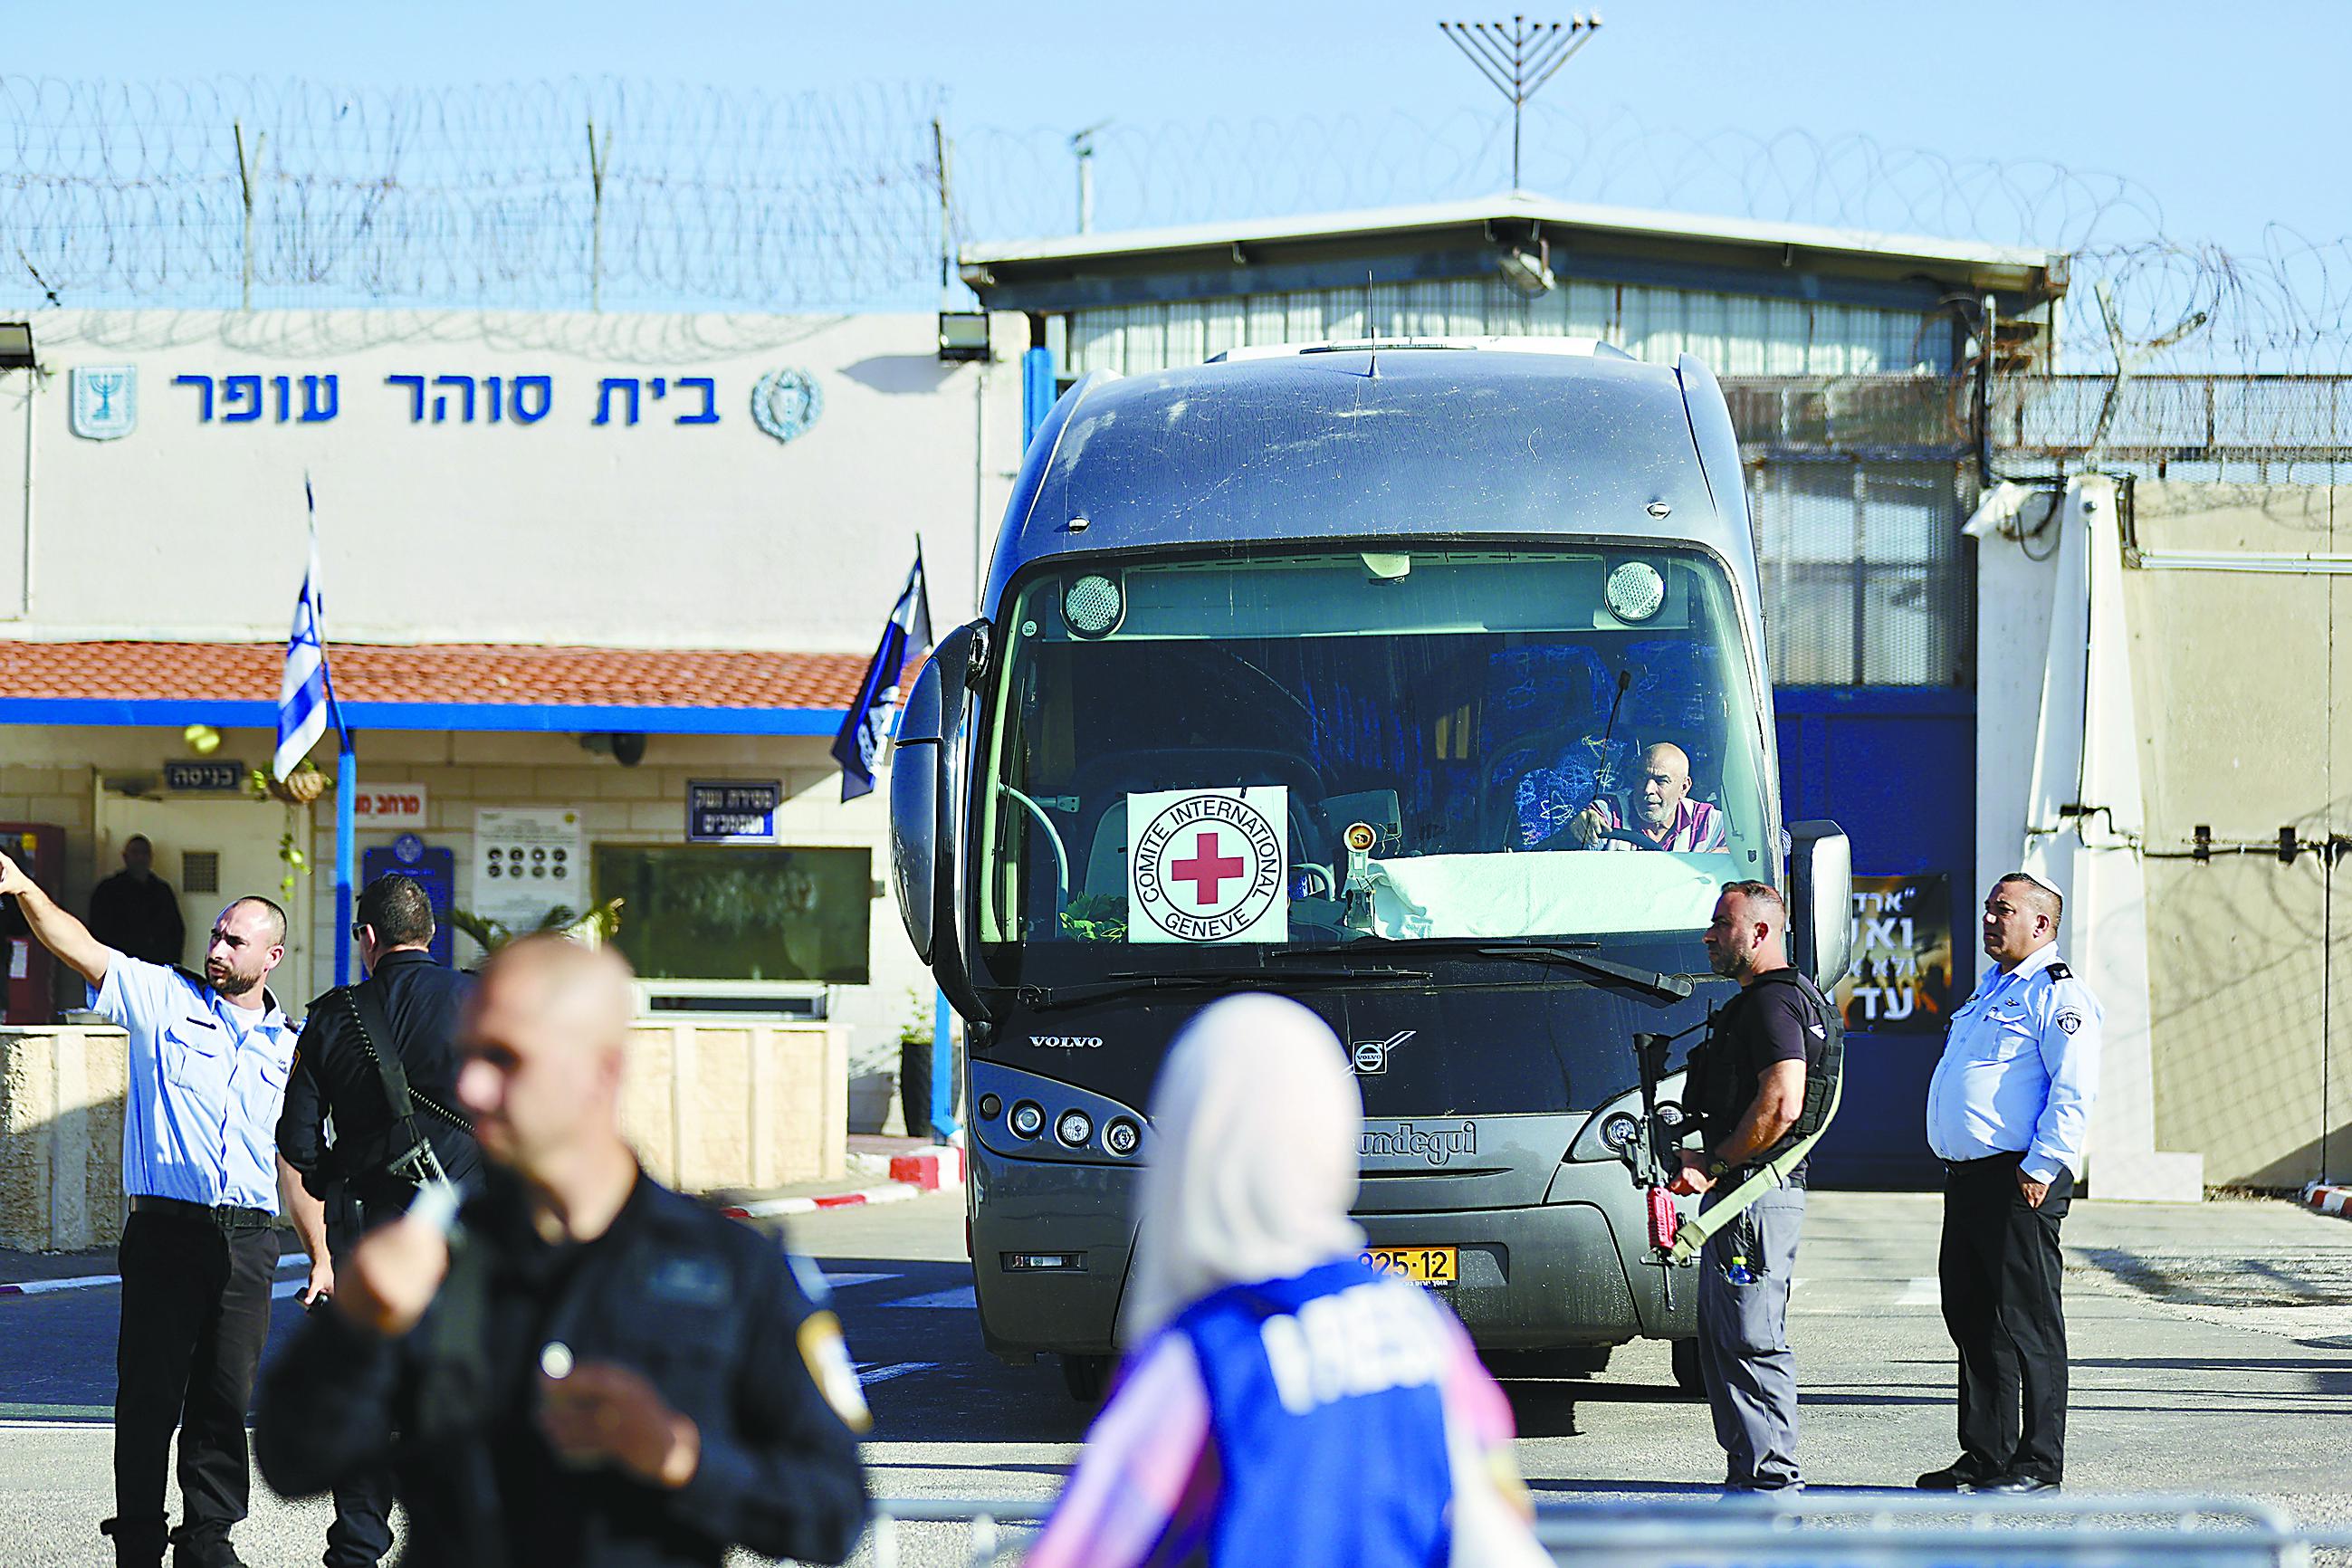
(534,196)
(617,195)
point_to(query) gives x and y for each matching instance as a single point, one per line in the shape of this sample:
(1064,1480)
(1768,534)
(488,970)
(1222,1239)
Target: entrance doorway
(213,851)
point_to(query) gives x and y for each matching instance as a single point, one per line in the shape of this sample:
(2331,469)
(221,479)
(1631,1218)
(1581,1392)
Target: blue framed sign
(732,811)
(435,867)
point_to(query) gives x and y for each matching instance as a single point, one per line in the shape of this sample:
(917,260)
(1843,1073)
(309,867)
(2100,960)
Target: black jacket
(142,919)
(709,1310)
(332,1073)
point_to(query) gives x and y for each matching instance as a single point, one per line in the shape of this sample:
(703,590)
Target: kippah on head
(2040,893)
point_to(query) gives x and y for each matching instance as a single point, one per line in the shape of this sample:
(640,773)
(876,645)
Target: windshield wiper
(1041,999)
(1573,955)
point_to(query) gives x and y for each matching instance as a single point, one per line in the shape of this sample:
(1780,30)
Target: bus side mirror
(925,835)
(1821,901)
(918,766)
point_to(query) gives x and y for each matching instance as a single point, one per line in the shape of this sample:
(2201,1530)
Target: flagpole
(347,795)
(346,782)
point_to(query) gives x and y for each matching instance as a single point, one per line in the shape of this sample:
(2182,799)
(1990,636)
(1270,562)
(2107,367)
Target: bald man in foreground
(587,1368)
(1657,812)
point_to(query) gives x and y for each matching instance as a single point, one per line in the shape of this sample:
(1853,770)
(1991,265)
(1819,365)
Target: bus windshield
(1408,745)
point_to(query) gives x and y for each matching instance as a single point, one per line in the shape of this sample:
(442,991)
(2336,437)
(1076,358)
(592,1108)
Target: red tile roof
(471,673)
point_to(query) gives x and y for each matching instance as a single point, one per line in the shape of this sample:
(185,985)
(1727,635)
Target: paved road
(2206,1340)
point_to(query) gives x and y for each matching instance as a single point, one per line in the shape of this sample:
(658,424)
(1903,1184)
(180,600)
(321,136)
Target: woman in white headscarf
(1282,1403)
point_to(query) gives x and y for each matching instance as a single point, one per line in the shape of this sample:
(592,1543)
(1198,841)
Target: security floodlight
(17,346)
(963,337)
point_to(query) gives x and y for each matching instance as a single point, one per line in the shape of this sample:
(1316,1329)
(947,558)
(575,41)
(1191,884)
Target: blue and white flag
(305,693)
(868,723)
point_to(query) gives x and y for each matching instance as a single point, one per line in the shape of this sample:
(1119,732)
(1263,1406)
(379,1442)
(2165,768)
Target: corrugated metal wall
(1734,334)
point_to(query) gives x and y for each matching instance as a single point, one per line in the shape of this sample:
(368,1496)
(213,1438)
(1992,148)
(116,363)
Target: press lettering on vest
(1368,1339)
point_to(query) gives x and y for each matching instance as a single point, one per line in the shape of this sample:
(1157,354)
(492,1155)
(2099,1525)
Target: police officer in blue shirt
(208,1058)
(2007,1112)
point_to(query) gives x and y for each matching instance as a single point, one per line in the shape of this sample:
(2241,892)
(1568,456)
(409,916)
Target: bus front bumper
(1051,1254)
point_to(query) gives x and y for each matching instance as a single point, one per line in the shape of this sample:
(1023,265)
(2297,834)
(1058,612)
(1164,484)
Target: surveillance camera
(629,750)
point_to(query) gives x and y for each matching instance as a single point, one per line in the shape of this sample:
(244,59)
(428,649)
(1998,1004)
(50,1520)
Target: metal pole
(246,170)
(347,795)
(596,155)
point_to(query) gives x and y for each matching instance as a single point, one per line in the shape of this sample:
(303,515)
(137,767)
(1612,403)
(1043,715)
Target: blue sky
(2232,118)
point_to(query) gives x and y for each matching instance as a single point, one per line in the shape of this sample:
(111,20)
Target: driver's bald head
(1668,757)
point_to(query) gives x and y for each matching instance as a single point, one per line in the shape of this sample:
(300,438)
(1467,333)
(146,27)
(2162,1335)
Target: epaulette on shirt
(2057,970)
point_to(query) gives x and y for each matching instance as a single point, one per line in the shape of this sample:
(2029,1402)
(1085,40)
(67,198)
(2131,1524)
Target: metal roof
(1004,271)
(1437,444)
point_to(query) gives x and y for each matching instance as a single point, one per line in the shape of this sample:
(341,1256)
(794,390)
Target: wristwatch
(1718,1167)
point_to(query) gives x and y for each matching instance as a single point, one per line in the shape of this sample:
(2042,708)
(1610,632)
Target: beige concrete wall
(61,1137)
(742,1106)
(746,1106)
(2240,680)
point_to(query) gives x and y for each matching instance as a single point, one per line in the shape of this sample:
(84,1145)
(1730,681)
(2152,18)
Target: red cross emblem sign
(1207,866)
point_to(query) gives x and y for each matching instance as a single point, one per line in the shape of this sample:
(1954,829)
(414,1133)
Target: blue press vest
(1325,1407)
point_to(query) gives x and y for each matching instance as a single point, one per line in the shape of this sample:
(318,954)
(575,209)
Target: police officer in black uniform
(588,1370)
(1748,1087)
(407,1009)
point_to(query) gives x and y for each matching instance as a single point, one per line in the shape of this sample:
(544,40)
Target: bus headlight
(1121,1137)
(1076,1128)
(1092,605)
(1620,1131)
(1028,1120)
(1635,591)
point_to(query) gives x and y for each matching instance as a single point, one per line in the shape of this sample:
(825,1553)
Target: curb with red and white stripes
(2329,1198)
(912,1175)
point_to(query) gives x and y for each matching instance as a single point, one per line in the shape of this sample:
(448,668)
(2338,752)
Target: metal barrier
(1813,1530)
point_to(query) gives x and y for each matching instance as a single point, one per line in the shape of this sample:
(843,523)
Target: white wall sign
(526,862)
(1207,866)
(389,805)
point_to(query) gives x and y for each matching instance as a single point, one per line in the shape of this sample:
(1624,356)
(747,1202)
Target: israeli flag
(868,723)
(304,692)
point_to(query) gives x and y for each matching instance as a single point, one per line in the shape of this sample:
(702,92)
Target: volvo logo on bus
(1372,1055)
(1066,1042)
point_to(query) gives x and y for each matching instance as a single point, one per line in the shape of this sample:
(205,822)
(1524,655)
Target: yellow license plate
(1433,1266)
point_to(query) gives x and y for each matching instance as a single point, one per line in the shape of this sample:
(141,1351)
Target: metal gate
(1869,609)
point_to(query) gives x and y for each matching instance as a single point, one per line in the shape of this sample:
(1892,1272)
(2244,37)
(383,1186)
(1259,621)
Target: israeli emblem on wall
(785,403)
(1207,866)
(105,401)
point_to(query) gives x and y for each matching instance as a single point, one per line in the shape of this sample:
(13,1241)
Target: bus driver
(1661,810)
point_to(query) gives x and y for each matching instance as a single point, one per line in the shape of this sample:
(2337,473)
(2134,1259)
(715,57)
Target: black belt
(226,1216)
(2005,1158)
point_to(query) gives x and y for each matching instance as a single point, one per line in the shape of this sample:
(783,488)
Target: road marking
(964,1300)
(1921,1293)
(879,1371)
(92,1281)
(844,1281)
(53,1414)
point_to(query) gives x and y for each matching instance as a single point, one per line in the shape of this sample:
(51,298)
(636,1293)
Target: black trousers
(362,1533)
(196,1311)
(2000,1270)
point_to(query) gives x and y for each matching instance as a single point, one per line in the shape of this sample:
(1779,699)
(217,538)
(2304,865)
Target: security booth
(1854,365)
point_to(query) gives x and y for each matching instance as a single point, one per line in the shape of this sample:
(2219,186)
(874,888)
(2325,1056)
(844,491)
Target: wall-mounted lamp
(626,747)
(17,346)
(963,337)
